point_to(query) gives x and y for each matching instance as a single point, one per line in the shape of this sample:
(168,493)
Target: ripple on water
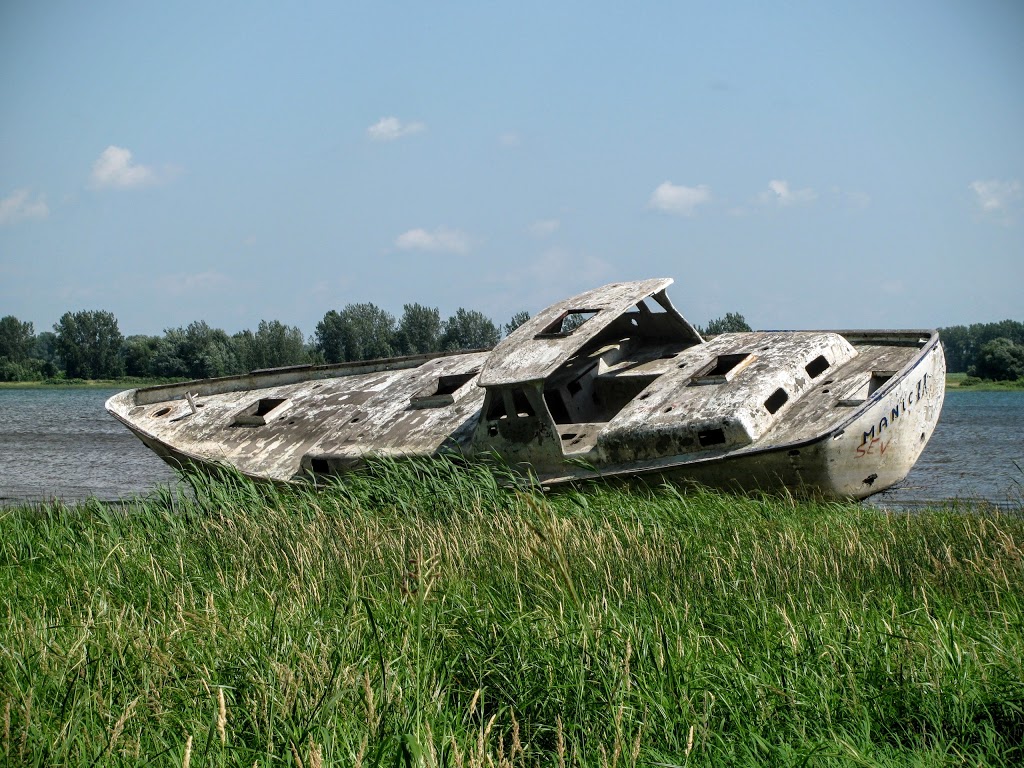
(61,443)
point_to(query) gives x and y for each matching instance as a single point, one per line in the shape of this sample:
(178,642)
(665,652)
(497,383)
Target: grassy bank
(970,384)
(426,616)
(123,383)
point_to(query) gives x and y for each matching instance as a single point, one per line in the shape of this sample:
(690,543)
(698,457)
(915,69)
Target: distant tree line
(732,322)
(986,350)
(89,344)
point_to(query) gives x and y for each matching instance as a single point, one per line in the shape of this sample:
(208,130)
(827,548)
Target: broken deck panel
(611,383)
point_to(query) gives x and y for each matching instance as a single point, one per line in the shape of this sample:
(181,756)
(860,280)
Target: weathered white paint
(631,392)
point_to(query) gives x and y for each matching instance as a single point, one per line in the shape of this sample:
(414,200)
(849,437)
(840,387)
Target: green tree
(166,362)
(733,322)
(89,345)
(329,337)
(45,347)
(419,330)
(274,345)
(16,339)
(468,329)
(30,370)
(516,320)
(139,352)
(958,347)
(358,332)
(196,351)
(962,343)
(1000,359)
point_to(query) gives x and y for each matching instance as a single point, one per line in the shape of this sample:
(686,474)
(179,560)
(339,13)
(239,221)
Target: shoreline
(88,383)
(953,381)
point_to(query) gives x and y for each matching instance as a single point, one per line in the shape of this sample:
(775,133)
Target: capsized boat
(611,383)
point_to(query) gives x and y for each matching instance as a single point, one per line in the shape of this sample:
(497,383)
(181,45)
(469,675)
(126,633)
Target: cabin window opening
(721,370)
(817,366)
(778,399)
(320,466)
(266,405)
(447,385)
(726,363)
(496,410)
(567,322)
(163,411)
(709,437)
(264,410)
(441,391)
(556,406)
(521,404)
(652,306)
(878,380)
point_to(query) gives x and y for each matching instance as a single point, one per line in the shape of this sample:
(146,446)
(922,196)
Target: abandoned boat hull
(872,450)
(629,389)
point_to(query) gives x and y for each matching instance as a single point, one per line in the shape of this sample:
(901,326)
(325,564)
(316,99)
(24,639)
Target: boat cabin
(617,375)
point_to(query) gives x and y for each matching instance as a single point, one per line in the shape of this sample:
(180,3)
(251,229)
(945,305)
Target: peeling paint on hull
(633,391)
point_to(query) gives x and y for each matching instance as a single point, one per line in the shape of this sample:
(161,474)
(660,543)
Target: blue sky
(809,165)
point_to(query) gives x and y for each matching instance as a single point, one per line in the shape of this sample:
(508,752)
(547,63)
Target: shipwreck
(612,383)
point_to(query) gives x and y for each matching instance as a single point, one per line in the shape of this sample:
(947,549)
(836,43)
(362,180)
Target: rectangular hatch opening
(441,391)
(722,369)
(567,323)
(263,411)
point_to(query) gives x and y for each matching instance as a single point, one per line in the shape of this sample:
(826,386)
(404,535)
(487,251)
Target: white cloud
(780,193)
(544,227)
(440,240)
(114,168)
(510,139)
(679,200)
(182,284)
(17,206)
(391,128)
(995,196)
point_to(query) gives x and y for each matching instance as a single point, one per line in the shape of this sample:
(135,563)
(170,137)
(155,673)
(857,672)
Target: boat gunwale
(292,374)
(749,451)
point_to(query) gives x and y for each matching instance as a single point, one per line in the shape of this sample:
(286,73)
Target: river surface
(61,443)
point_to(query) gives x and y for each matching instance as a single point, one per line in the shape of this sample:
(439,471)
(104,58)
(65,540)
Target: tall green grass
(422,614)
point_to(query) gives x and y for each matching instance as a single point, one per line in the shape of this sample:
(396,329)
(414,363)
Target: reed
(423,613)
